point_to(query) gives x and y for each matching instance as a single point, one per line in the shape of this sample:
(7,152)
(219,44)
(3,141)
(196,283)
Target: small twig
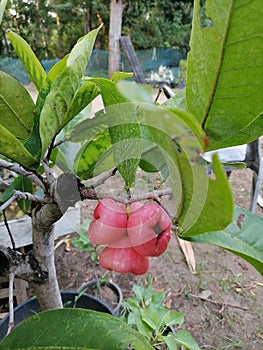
(50,176)
(222,303)
(91,193)
(21,171)
(59,143)
(25,196)
(9,232)
(154,195)
(11,302)
(105,177)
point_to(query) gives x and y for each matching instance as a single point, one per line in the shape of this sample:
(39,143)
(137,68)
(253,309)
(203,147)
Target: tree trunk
(48,293)
(116,9)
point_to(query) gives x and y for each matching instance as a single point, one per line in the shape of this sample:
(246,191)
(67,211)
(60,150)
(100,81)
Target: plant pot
(31,306)
(94,286)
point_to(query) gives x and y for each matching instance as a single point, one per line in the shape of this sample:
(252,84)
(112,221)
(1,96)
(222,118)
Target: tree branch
(24,266)
(21,171)
(25,196)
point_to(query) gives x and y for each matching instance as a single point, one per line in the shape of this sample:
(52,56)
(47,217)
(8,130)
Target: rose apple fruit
(109,223)
(149,229)
(123,258)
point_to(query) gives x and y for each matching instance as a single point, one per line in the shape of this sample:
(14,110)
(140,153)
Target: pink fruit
(149,229)
(124,258)
(109,223)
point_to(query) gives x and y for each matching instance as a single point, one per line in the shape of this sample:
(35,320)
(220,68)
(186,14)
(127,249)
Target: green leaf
(63,89)
(33,143)
(12,148)
(23,184)
(28,58)
(85,95)
(150,318)
(135,92)
(211,207)
(225,69)
(243,237)
(16,107)
(182,338)
(74,328)
(152,159)
(125,137)
(200,202)
(116,76)
(89,128)
(123,128)
(7,194)
(177,101)
(173,317)
(95,156)
(65,156)
(2,9)
(109,91)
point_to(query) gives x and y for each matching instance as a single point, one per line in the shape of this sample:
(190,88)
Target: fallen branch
(222,303)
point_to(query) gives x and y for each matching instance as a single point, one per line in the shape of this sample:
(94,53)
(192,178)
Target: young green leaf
(225,69)
(16,107)
(33,144)
(28,58)
(116,76)
(181,338)
(56,106)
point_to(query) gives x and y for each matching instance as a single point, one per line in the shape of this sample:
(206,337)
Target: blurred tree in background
(53,26)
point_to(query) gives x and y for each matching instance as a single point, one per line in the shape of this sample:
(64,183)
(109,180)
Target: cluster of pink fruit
(131,234)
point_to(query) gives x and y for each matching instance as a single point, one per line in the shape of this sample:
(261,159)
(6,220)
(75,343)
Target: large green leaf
(225,71)
(54,113)
(28,58)
(242,237)
(217,208)
(16,107)
(123,128)
(73,329)
(12,148)
(199,201)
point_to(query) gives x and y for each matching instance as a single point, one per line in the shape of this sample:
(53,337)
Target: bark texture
(116,9)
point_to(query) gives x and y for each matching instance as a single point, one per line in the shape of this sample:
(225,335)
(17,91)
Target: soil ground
(232,316)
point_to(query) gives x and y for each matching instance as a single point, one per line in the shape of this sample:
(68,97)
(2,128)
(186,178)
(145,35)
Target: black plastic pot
(31,306)
(94,284)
